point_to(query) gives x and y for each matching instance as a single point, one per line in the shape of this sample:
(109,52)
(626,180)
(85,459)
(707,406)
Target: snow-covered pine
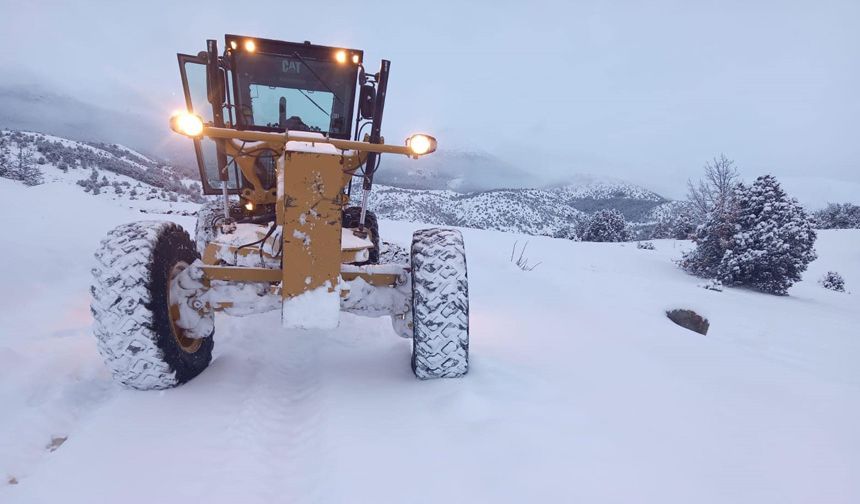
(129,306)
(606,226)
(762,239)
(18,162)
(775,240)
(440,304)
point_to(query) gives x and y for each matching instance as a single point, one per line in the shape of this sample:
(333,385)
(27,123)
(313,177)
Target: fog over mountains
(33,108)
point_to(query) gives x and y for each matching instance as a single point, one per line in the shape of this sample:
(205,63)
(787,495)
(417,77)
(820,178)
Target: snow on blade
(314,309)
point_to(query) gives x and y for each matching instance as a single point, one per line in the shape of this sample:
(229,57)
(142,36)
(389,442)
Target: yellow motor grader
(278,129)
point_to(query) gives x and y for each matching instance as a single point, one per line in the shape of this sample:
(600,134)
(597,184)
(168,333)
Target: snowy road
(580,389)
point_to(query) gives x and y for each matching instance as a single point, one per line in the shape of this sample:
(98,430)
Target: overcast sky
(646,91)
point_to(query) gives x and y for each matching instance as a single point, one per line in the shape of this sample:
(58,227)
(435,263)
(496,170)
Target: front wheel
(131,298)
(440,304)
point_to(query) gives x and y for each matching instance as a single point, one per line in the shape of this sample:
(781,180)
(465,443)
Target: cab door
(193,72)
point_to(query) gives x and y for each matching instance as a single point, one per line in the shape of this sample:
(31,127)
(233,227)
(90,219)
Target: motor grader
(284,134)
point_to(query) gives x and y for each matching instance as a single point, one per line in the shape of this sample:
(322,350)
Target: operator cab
(283,85)
(274,86)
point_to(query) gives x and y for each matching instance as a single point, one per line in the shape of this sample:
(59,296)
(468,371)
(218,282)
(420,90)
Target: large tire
(351,218)
(210,214)
(440,304)
(130,306)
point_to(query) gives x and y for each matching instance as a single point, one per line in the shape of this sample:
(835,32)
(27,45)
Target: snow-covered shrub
(92,184)
(713,284)
(833,280)
(762,239)
(838,216)
(606,226)
(645,245)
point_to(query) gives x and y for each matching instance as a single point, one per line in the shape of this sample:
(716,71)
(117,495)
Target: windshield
(292,92)
(278,107)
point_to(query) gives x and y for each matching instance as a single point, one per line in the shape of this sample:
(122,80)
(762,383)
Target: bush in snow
(645,245)
(606,226)
(92,183)
(761,238)
(833,281)
(838,216)
(714,285)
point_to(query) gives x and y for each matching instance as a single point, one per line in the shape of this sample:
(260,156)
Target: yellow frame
(309,198)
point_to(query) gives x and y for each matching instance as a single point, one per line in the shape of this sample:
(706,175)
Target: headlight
(186,123)
(250,45)
(340,56)
(421,144)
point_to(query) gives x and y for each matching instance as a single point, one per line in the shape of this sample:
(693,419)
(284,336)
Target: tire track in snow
(272,444)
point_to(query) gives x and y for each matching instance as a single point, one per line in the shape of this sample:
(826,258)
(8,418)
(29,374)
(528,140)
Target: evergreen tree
(764,239)
(25,169)
(775,239)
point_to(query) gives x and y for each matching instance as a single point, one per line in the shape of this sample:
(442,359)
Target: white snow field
(580,389)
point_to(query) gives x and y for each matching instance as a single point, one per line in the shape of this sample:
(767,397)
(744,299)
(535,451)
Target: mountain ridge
(115,169)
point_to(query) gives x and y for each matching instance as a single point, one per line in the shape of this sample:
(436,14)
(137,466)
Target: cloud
(642,91)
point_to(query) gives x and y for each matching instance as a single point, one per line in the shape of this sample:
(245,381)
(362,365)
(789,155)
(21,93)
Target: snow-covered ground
(581,390)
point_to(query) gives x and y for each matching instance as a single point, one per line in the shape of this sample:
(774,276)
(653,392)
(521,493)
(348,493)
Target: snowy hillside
(107,171)
(530,211)
(580,390)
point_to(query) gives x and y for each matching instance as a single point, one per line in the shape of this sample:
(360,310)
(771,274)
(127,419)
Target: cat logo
(290,66)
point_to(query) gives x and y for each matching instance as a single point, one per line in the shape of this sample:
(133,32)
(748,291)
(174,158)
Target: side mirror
(366,101)
(214,76)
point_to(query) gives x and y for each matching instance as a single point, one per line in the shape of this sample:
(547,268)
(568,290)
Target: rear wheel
(136,330)
(440,304)
(351,218)
(209,216)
